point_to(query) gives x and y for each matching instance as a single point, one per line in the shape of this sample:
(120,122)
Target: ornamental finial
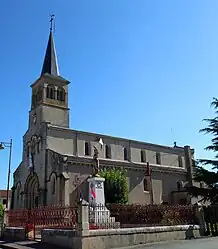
(51,21)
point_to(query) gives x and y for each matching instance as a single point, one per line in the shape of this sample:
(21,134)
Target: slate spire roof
(50,64)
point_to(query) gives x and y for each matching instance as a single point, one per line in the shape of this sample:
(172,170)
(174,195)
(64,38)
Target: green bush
(116,185)
(1,212)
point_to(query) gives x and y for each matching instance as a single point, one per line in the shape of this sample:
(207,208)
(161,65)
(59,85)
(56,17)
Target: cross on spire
(50,64)
(51,21)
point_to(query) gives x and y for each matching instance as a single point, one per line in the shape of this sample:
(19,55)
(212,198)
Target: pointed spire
(50,64)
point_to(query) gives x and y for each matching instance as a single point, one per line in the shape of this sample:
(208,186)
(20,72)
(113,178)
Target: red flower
(29,228)
(94,227)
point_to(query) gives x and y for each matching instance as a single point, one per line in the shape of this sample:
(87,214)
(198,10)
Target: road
(206,243)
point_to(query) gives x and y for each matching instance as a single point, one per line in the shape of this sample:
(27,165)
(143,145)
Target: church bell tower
(50,91)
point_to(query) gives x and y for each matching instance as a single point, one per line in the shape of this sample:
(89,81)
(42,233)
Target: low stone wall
(63,238)
(115,238)
(105,239)
(13,234)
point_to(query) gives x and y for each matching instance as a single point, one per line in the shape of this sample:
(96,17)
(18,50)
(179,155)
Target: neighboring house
(60,159)
(3,197)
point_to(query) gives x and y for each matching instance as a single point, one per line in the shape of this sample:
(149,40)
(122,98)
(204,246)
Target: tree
(116,185)
(201,174)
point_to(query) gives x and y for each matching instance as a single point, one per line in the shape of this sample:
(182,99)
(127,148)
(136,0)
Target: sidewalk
(26,245)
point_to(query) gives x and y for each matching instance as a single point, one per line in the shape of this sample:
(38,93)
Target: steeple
(49,92)
(50,64)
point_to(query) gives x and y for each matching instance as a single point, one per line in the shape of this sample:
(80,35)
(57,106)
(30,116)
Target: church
(57,160)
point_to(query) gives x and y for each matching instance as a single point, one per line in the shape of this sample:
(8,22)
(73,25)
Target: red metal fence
(153,215)
(66,217)
(143,215)
(61,217)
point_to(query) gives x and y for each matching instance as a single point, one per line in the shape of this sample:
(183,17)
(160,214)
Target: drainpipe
(188,164)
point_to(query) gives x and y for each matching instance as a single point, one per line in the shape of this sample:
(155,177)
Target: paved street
(206,243)
(25,245)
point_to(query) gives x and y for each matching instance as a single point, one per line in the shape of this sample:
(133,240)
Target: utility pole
(4,145)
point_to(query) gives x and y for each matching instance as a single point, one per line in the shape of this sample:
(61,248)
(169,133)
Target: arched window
(37,96)
(53,186)
(62,189)
(61,94)
(180,161)
(18,193)
(87,150)
(34,145)
(143,156)
(145,185)
(107,151)
(33,100)
(47,92)
(36,200)
(158,158)
(179,186)
(40,92)
(50,92)
(125,153)
(27,150)
(38,144)
(18,196)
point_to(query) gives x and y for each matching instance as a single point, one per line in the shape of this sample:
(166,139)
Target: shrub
(148,215)
(1,211)
(116,185)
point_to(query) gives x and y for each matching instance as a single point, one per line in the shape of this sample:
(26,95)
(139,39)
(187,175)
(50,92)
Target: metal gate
(211,220)
(34,220)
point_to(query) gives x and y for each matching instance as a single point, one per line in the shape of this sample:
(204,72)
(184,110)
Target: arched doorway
(62,190)
(17,196)
(31,191)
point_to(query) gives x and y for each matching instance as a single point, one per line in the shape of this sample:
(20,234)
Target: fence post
(5,217)
(83,219)
(200,217)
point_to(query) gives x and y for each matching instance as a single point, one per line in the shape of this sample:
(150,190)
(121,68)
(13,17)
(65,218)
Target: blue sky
(142,69)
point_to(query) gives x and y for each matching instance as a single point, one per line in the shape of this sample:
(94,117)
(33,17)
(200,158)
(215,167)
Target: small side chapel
(57,160)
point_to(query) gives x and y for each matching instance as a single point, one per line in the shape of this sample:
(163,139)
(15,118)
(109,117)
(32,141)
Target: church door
(32,192)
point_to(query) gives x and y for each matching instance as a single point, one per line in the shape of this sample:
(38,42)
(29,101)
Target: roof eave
(47,75)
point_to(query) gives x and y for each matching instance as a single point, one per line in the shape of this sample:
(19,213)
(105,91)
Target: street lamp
(4,145)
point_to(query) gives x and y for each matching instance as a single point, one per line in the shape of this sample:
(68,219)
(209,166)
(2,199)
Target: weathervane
(51,21)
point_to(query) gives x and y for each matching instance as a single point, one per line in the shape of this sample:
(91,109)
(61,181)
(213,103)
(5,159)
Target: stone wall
(13,234)
(85,238)
(115,238)
(62,238)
